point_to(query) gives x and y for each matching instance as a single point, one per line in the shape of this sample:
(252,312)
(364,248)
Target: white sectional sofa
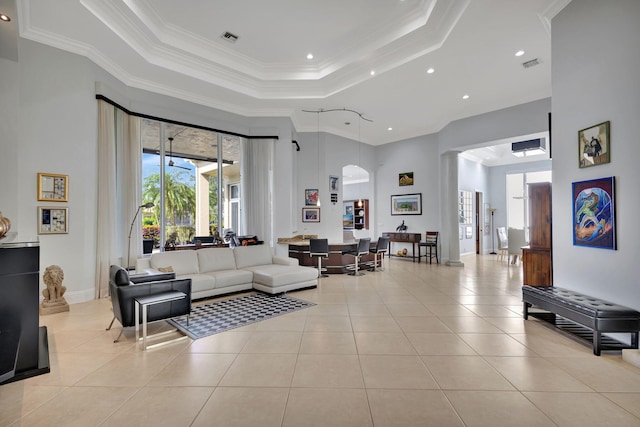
(215,271)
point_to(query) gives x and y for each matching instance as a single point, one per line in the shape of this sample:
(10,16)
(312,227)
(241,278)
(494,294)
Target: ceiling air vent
(231,38)
(531,63)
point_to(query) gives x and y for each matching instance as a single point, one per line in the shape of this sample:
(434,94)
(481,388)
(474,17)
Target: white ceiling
(176,48)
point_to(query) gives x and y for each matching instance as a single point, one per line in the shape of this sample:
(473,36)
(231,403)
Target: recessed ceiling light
(389,128)
(465,97)
(4,17)
(520,53)
(430,71)
(309,55)
(373,72)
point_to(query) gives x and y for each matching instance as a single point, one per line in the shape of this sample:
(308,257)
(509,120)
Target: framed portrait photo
(310,214)
(53,220)
(53,187)
(594,145)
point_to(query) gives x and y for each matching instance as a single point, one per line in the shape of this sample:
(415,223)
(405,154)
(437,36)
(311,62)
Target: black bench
(595,314)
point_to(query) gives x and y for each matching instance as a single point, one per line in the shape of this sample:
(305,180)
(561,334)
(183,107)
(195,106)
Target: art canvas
(310,214)
(594,145)
(406,204)
(594,213)
(311,197)
(405,178)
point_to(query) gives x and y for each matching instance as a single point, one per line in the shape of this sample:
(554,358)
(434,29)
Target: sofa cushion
(201,282)
(248,256)
(274,275)
(231,277)
(216,259)
(182,262)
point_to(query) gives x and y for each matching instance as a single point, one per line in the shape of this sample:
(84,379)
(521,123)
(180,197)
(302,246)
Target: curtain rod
(175,122)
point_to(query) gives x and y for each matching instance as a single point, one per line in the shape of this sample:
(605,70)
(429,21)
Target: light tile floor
(415,345)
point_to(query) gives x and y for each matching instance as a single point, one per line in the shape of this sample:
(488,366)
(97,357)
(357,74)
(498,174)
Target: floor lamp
(493,251)
(146,205)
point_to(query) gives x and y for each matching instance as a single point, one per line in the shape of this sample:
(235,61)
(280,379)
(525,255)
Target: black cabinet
(24,350)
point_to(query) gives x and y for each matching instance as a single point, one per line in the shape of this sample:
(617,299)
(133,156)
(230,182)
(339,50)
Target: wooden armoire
(536,258)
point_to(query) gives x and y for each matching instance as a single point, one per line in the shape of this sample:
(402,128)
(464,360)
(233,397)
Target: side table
(149,300)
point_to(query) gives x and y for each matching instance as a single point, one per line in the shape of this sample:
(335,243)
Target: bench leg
(634,339)
(596,342)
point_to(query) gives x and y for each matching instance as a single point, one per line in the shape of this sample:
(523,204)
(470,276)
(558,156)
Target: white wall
(53,130)
(523,119)
(595,67)
(51,126)
(417,155)
(314,170)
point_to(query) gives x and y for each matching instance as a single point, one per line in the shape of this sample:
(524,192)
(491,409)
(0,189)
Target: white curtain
(256,186)
(107,209)
(131,187)
(119,191)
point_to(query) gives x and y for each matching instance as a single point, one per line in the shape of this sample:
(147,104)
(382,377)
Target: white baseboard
(77,296)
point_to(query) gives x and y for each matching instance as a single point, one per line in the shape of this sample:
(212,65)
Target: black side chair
(382,247)
(319,248)
(124,292)
(430,245)
(361,250)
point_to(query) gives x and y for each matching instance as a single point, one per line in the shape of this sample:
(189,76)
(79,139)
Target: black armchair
(124,291)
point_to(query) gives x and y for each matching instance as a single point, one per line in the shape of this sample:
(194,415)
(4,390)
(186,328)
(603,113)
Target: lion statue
(53,277)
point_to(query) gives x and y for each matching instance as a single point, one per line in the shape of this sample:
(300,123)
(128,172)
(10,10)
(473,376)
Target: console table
(413,238)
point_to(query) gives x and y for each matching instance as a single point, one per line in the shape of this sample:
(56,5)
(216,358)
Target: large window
(190,199)
(517,197)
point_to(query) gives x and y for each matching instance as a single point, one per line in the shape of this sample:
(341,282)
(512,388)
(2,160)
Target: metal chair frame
(362,249)
(382,247)
(319,248)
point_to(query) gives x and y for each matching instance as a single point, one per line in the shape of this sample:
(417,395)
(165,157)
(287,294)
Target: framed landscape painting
(406,204)
(594,213)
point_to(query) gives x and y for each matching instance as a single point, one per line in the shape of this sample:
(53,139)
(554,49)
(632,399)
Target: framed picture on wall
(333,184)
(406,204)
(53,187)
(53,220)
(405,178)
(311,197)
(594,145)
(310,214)
(594,213)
